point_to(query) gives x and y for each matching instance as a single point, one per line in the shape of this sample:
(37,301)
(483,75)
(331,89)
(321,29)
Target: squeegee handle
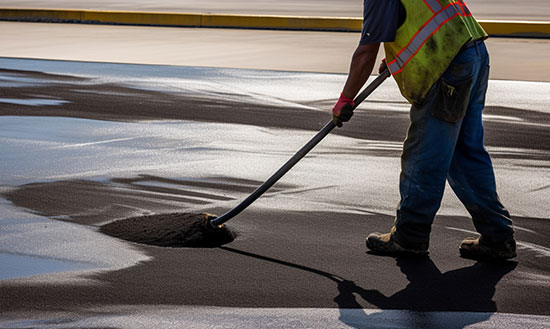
(298,156)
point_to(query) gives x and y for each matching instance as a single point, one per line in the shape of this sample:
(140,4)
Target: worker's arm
(362,63)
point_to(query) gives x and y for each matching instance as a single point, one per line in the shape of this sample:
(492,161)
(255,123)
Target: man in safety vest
(436,54)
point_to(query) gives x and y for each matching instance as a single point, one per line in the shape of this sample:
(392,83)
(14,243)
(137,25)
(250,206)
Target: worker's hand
(382,66)
(343,110)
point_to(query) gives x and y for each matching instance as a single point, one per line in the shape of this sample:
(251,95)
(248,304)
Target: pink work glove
(343,110)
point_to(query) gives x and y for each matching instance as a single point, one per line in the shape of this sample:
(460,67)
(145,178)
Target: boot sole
(374,249)
(487,257)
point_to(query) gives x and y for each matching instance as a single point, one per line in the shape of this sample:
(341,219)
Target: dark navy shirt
(381,18)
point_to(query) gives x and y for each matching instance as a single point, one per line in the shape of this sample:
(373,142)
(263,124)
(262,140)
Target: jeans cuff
(408,244)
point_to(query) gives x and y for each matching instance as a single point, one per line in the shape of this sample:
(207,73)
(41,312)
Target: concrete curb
(349,24)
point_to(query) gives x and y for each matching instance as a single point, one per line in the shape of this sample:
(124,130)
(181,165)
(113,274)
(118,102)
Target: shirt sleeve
(381,18)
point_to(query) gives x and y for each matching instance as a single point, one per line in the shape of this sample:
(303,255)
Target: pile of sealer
(171,230)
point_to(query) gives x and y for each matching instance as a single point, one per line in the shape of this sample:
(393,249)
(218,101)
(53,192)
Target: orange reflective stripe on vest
(464,8)
(440,17)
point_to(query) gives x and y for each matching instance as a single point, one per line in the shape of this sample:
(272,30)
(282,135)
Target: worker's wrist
(345,98)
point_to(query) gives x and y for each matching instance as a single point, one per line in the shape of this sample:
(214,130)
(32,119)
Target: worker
(435,51)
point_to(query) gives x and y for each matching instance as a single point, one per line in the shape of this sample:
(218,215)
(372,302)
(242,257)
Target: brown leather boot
(478,249)
(386,244)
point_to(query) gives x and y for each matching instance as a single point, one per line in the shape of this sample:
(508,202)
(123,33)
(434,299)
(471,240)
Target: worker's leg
(426,158)
(471,173)
(429,148)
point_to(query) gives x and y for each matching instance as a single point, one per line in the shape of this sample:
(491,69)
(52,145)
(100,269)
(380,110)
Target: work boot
(478,249)
(386,244)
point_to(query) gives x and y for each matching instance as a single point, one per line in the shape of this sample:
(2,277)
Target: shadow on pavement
(468,289)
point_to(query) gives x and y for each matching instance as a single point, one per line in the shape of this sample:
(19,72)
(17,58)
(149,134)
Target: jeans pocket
(451,101)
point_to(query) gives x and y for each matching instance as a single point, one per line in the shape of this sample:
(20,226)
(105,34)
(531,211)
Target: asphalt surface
(483,9)
(84,144)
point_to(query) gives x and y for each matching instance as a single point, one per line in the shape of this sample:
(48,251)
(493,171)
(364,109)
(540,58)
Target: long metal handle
(298,156)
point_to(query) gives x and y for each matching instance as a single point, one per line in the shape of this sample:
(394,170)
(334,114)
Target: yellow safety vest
(433,33)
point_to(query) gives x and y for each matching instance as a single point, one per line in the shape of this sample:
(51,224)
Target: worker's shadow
(468,289)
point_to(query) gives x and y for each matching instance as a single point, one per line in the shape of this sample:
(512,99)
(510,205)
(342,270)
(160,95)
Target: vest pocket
(451,101)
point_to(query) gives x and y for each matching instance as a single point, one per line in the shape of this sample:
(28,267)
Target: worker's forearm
(362,63)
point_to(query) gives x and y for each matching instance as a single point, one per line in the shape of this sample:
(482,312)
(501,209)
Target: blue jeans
(445,142)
